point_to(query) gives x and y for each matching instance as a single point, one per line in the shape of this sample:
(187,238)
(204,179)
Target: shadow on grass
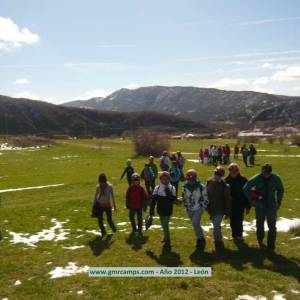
(136,242)
(99,244)
(166,258)
(258,258)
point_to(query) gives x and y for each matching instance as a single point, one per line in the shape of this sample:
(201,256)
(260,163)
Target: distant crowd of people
(221,154)
(222,197)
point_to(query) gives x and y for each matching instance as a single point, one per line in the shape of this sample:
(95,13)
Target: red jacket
(136,197)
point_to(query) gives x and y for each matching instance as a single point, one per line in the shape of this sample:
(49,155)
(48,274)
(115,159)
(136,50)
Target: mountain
(23,116)
(207,105)
(92,103)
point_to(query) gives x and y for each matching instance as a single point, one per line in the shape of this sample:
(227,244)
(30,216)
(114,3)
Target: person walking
(175,175)
(236,151)
(240,203)
(219,206)
(252,153)
(163,198)
(136,202)
(245,154)
(104,201)
(195,200)
(270,191)
(164,162)
(128,171)
(154,168)
(147,175)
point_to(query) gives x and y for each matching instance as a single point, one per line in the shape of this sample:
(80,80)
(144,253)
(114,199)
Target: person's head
(165,153)
(219,172)
(178,153)
(266,170)
(191,176)
(102,179)
(174,163)
(164,178)
(234,170)
(128,162)
(151,159)
(135,179)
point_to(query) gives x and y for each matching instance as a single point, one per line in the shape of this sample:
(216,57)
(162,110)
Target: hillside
(23,116)
(201,104)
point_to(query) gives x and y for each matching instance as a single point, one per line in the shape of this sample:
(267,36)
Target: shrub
(150,143)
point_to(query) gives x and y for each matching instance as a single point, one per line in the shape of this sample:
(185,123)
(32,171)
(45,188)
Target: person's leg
(109,219)
(271,221)
(100,221)
(153,185)
(236,222)
(175,184)
(260,224)
(217,220)
(195,217)
(140,220)
(164,220)
(132,219)
(147,184)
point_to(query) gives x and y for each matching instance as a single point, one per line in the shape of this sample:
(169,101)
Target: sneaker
(200,245)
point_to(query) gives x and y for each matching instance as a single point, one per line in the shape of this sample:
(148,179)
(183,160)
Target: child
(163,197)
(129,170)
(219,206)
(195,200)
(147,175)
(154,169)
(164,161)
(104,200)
(136,202)
(175,175)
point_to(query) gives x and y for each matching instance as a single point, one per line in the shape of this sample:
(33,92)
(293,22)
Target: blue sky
(61,50)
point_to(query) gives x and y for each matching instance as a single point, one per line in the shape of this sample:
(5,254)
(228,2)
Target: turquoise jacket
(175,174)
(275,191)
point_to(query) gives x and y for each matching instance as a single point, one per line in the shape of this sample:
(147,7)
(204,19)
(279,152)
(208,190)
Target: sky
(62,50)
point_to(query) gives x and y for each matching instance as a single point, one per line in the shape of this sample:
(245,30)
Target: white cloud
(261,80)
(11,36)
(265,21)
(93,94)
(229,83)
(289,74)
(22,81)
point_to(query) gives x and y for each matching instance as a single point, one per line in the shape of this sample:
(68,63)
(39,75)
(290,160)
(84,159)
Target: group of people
(222,197)
(248,154)
(215,155)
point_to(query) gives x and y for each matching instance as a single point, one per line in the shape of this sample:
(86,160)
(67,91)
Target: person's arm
(247,204)
(123,174)
(112,197)
(228,200)
(144,199)
(143,174)
(205,201)
(279,190)
(127,198)
(247,188)
(153,204)
(96,194)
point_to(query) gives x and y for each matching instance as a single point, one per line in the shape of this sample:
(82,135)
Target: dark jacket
(239,200)
(219,197)
(129,170)
(163,197)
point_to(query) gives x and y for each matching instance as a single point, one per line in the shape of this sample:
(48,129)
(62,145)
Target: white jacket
(196,199)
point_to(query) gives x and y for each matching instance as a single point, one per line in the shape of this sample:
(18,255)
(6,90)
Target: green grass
(235,271)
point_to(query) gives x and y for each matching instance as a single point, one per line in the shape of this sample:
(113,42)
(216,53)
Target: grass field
(24,269)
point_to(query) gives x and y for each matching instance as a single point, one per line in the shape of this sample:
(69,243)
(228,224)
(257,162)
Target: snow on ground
(18,282)
(70,270)
(7,147)
(74,247)
(65,157)
(54,233)
(31,188)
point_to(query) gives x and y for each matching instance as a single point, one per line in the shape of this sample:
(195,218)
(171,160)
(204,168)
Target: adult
(236,151)
(195,200)
(136,202)
(269,189)
(219,206)
(163,198)
(104,201)
(240,203)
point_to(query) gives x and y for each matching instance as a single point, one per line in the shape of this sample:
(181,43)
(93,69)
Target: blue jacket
(175,174)
(275,190)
